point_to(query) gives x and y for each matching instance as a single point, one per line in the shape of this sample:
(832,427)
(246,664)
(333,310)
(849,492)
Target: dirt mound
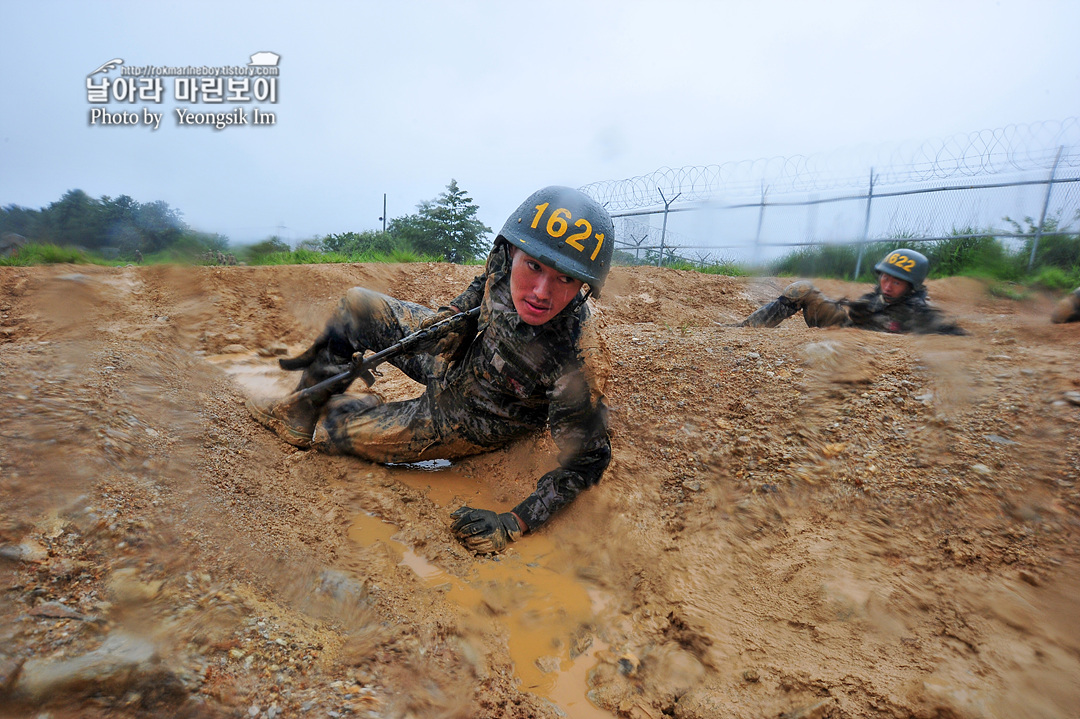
(796,522)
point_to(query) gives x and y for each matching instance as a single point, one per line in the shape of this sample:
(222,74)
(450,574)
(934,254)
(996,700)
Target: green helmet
(566,230)
(905,264)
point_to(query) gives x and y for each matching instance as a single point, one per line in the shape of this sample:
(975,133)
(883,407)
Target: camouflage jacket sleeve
(912,314)
(578,419)
(474,293)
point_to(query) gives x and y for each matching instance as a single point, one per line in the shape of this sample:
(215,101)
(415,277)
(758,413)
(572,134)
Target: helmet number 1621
(559,222)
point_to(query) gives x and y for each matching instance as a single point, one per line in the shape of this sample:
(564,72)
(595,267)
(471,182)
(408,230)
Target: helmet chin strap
(580,300)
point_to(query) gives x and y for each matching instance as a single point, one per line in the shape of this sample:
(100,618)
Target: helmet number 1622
(559,222)
(902,261)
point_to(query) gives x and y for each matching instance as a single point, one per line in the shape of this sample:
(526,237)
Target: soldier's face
(893,288)
(539,292)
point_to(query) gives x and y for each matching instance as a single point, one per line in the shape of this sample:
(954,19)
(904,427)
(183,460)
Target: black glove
(484,531)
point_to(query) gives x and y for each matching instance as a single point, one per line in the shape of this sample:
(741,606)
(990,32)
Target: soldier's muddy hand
(441,314)
(859,312)
(445,346)
(484,531)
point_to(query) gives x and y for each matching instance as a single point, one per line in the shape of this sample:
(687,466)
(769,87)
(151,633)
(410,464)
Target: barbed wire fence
(989,182)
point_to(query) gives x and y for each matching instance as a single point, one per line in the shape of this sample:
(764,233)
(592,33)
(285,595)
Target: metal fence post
(811,219)
(663,230)
(1046,204)
(760,220)
(866,226)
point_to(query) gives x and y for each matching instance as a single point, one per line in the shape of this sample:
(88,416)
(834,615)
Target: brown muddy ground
(796,523)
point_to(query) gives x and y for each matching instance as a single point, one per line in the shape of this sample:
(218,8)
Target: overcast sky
(505,97)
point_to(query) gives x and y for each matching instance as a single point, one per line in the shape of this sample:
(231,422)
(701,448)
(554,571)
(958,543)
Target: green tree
(414,230)
(75,219)
(214,241)
(160,225)
(268,246)
(120,226)
(445,227)
(311,244)
(20,220)
(358,243)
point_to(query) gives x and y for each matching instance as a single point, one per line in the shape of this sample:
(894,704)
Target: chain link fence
(1012,183)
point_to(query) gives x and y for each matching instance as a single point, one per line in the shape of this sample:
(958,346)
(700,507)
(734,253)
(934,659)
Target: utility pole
(383,218)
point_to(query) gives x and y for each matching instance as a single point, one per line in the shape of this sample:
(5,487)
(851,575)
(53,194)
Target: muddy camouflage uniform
(1067,309)
(912,313)
(514,378)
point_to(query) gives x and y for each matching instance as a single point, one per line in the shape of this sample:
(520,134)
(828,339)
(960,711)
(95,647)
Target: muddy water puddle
(545,611)
(256,376)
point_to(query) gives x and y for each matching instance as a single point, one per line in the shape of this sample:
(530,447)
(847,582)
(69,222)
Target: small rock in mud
(122,661)
(1030,578)
(25,552)
(275,350)
(580,642)
(125,587)
(548,664)
(55,610)
(700,704)
(817,710)
(340,586)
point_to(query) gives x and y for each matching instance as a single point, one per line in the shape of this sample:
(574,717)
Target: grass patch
(48,254)
(312,257)
(1010,291)
(1055,278)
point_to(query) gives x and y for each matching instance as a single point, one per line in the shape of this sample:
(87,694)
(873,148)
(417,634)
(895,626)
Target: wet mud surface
(796,522)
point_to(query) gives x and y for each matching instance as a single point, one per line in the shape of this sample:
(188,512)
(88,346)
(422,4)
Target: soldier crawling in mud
(897,304)
(1067,309)
(527,362)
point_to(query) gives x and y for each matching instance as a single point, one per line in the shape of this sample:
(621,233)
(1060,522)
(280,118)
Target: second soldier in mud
(897,304)
(533,360)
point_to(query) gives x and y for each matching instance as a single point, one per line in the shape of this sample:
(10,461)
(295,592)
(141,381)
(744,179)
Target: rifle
(364,367)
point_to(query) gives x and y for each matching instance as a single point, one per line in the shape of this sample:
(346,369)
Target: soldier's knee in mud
(359,313)
(362,301)
(330,434)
